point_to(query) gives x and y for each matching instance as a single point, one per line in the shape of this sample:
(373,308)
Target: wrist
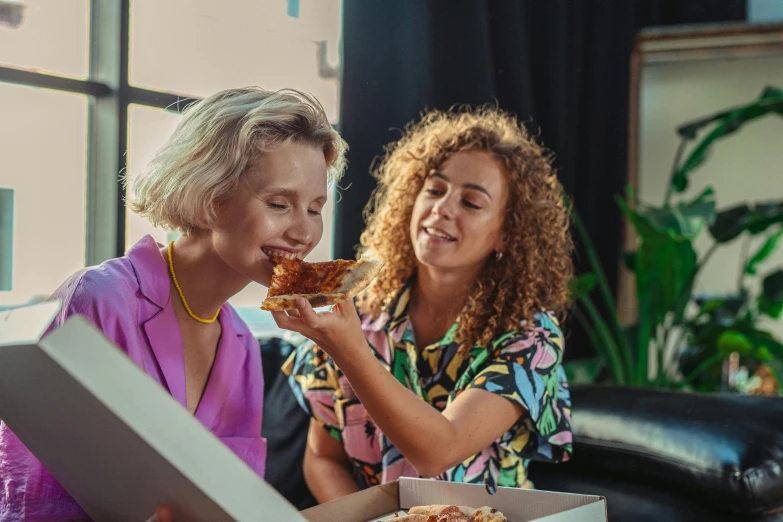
(350,354)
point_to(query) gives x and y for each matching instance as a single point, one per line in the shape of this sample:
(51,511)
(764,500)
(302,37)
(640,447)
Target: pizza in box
(441,513)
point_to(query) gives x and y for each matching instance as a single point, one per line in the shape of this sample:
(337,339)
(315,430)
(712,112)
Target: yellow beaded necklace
(182,296)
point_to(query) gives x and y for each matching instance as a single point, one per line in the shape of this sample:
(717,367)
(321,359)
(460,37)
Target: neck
(439,292)
(205,279)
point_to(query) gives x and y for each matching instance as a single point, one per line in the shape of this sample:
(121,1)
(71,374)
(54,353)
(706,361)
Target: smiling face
(457,219)
(276,208)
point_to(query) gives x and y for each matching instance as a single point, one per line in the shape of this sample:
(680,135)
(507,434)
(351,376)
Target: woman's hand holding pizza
(338,332)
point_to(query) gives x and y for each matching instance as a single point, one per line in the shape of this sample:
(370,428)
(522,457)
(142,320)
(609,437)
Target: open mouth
(438,234)
(271,252)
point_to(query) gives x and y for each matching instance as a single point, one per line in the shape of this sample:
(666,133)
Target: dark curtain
(560,65)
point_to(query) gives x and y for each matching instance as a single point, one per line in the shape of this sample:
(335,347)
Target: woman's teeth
(438,234)
(280,253)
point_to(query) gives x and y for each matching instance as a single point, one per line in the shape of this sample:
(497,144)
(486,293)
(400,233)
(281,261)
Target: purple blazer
(129,299)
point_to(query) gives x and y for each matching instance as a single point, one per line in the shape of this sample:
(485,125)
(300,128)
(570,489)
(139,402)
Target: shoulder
(108,286)
(106,295)
(545,326)
(541,344)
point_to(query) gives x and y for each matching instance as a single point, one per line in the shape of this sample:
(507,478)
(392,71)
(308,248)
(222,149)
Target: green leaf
(583,371)
(772,285)
(754,344)
(642,226)
(773,93)
(603,286)
(683,219)
(726,123)
(766,249)
(721,306)
(665,264)
(582,285)
(731,223)
(773,309)
(680,181)
(690,129)
(608,345)
(770,302)
(732,341)
(765,340)
(710,306)
(666,268)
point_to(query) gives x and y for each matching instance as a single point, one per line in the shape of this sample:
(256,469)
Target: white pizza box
(518,505)
(111,435)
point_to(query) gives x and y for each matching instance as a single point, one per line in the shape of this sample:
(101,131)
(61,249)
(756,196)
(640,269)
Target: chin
(432,260)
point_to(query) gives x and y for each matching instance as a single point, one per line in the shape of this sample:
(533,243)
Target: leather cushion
(727,450)
(636,500)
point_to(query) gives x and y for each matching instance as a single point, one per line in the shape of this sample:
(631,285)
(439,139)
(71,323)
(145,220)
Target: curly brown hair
(534,272)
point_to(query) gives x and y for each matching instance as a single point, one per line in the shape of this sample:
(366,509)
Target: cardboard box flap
(589,513)
(27,324)
(115,439)
(519,505)
(364,505)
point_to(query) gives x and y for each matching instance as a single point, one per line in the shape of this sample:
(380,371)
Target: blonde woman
(452,366)
(245,174)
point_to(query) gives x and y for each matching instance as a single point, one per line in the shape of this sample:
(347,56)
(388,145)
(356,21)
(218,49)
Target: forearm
(327,478)
(419,431)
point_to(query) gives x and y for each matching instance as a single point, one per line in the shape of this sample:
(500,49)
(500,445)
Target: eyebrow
(473,186)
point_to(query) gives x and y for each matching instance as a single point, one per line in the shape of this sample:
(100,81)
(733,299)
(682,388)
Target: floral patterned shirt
(522,367)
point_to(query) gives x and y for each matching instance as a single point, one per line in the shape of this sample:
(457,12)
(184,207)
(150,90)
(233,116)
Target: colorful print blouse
(523,368)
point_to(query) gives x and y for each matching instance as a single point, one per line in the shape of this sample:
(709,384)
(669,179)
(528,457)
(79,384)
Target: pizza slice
(442,513)
(322,284)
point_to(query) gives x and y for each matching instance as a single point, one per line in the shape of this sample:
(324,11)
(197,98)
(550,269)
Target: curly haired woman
(452,366)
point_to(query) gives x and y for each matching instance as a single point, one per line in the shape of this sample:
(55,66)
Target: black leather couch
(654,455)
(664,456)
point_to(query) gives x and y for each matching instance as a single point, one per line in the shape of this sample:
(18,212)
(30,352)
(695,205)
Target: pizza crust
(482,514)
(436,509)
(355,278)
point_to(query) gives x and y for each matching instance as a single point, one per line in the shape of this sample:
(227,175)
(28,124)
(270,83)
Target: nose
(301,229)
(444,207)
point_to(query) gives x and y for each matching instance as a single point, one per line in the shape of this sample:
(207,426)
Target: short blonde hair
(213,145)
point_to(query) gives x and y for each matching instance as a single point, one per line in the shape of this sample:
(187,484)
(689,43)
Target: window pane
(198,47)
(44,136)
(148,130)
(52,38)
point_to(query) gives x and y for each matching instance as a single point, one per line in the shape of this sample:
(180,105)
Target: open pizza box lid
(111,435)
(518,505)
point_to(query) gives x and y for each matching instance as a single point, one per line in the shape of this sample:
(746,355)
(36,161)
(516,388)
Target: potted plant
(690,337)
